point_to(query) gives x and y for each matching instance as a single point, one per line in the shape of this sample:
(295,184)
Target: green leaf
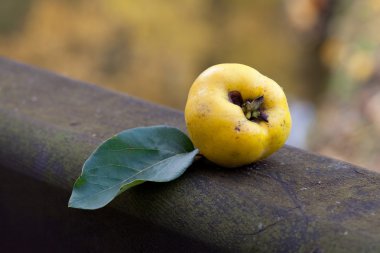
(157,153)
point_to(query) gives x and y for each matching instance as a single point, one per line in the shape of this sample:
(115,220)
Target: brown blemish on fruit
(204,110)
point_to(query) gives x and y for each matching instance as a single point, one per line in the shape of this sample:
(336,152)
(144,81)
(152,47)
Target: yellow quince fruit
(236,116)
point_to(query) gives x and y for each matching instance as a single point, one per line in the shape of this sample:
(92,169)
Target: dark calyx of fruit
(252,108)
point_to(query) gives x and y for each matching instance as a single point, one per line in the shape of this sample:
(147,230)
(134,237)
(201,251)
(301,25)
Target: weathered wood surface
(293,201)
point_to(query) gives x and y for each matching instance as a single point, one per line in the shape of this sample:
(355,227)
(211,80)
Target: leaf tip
(71,203)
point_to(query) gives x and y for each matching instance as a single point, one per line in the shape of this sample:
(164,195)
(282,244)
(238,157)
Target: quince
(236,116)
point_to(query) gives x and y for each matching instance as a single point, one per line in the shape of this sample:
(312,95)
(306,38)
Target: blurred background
(324,53)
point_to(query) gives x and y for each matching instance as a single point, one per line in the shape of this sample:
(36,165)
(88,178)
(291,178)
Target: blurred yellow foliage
(302,13)
(348,121)
(361,66)
(331,52)
(154,49)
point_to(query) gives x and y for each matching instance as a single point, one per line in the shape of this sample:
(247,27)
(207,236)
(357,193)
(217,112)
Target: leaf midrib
(125,180)
(146,149)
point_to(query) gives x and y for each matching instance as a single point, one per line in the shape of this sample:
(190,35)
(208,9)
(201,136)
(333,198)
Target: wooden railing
(293,201)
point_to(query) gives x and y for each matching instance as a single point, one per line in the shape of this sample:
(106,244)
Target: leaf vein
(146,149)
(127,179)
(93,175)
(111,164)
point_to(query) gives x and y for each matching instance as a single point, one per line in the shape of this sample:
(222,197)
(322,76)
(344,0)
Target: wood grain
(293,201)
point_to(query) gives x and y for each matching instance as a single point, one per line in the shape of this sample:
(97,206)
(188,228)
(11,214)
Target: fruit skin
(219,128)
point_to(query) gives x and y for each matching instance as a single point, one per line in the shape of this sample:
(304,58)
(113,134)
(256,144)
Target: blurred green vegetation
(12,15)
(155,49)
